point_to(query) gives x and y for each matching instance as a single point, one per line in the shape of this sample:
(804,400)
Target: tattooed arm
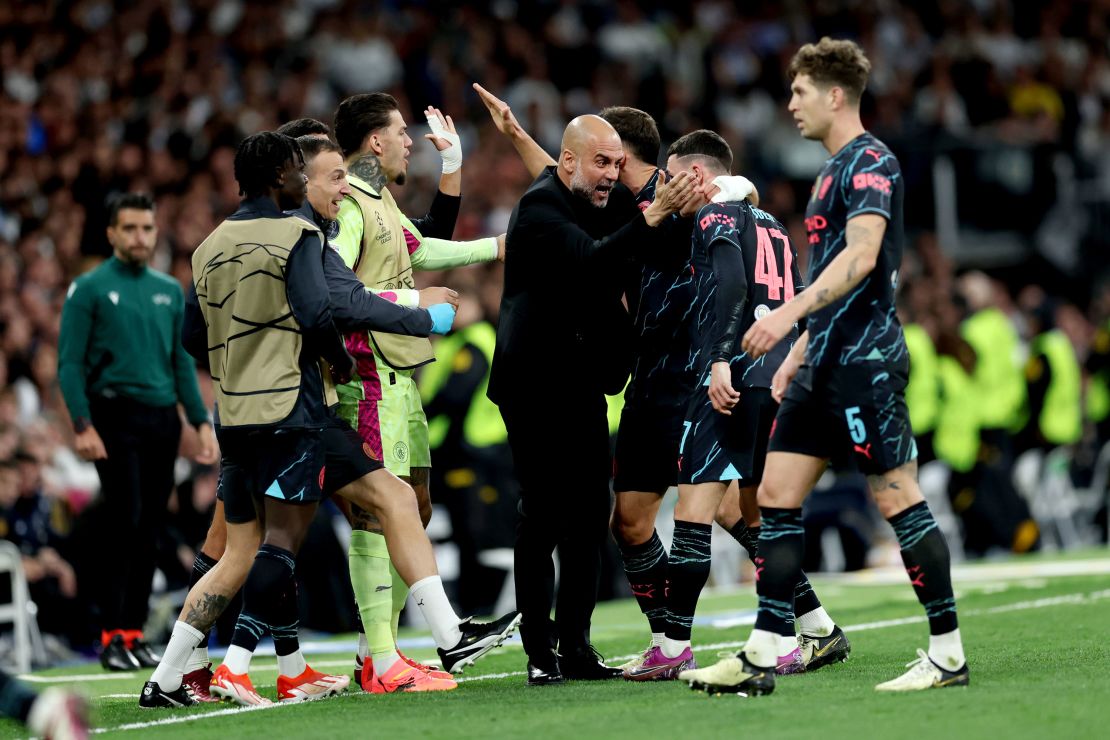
(864,239)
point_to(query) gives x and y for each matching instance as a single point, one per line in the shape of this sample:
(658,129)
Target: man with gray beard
(565,340)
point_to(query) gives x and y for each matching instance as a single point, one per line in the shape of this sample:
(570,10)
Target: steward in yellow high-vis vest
(922,390)
(998,373)
(1055,389)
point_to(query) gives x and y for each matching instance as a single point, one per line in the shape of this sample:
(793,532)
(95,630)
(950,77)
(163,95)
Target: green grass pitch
(1037,633)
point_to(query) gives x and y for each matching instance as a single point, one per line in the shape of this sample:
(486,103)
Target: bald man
(563,342)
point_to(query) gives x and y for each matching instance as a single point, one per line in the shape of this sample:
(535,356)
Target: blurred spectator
(36,522)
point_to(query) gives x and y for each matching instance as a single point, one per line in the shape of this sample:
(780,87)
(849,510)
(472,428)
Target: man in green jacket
(123,372)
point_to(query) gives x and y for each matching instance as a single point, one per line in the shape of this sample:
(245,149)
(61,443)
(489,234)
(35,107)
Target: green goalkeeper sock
(400,596)
(369,562)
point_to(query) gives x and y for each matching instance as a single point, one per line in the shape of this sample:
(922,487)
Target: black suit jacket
(562,325)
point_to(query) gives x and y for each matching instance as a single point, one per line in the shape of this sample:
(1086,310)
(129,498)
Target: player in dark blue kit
(742,265)
(843,384)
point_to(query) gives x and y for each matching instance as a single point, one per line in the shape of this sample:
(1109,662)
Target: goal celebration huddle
(745,380)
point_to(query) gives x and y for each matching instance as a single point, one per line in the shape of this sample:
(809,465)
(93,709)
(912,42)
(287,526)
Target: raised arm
(531,153)
(440,220)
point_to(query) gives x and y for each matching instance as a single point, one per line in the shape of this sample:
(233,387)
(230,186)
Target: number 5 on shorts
(855,425)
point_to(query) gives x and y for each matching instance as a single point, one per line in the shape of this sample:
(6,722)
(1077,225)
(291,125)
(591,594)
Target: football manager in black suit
(563,342)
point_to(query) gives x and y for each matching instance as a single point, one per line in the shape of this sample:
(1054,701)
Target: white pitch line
(1067,599)
(185,718)
(124,676)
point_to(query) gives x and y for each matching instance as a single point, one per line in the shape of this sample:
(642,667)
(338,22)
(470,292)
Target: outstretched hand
(499,111)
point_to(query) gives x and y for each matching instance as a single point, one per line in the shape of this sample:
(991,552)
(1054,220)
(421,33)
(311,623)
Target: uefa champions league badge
(761,310)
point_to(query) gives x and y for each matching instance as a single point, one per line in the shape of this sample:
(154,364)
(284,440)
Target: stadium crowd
(97,101)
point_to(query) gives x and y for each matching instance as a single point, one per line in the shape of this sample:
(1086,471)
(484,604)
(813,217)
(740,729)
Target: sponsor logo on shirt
(865,180)
(815,225)
(161,299)
(717,218)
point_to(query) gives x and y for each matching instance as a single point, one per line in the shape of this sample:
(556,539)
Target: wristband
(452,155)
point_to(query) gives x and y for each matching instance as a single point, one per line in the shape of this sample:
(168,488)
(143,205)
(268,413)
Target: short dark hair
(706,144)
(833,62)
(305,127)
(359,116)
(136,201)
(314,145)
(637,130)
(260,158)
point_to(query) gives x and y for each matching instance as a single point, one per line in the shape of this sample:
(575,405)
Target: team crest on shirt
(401,451)
(761,310)
(113,296)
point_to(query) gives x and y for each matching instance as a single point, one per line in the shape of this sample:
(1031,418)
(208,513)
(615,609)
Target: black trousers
(560,452)
(135,485)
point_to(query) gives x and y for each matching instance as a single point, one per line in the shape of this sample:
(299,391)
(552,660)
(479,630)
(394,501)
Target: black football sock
(928,564)
(687,572)
(268,585)
(781,547)
(645,565)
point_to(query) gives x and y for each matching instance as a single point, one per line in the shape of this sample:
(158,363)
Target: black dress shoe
(586,665)
(147,658)
(548,675)
(116,657)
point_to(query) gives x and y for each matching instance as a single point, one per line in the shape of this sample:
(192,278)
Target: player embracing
(843,384)
(742,265)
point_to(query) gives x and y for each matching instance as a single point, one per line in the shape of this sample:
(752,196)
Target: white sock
(816,623)
(787,644)
(238,660)
(363,646)
(292,665)
(947,650)
(657,638)
(673,648)
(199,658)
(762,649)
(384,662)
(176,656)
(433,604)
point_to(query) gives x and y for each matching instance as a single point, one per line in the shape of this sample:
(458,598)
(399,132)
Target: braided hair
(260,159)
